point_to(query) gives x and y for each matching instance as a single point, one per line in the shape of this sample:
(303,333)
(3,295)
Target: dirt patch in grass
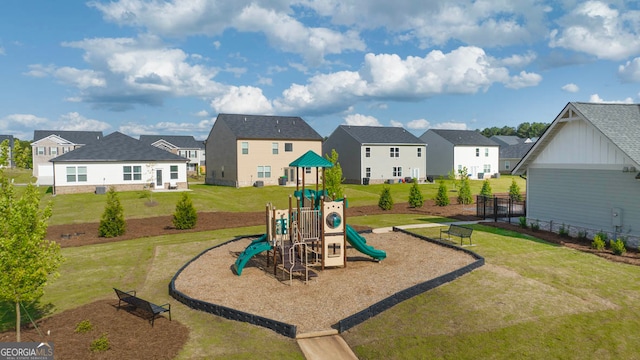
(130,336)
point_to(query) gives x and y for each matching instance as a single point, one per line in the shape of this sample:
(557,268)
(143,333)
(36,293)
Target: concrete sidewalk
(331,347)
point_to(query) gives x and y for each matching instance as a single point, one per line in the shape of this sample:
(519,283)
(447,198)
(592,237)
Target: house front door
(159,178)
(415,173)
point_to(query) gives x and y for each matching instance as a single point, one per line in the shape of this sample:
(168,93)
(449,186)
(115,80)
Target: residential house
(376,154)
(512,149)
(120,161)
(246,150)
(183,145)
(454,150)
(10,139)
(48,144)
(584,171)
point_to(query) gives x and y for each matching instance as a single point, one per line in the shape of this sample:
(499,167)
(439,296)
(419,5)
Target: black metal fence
(500,207)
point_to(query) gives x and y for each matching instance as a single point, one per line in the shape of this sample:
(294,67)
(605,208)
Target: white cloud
(202,113)
(630,72)
(524,79)
(451,126)
(216,44)
(595,98)
(395,123)
(571,87)
(22,120)
(518,61)
(418,124)
(244,100)
(596,28)
(73,121)
(361,120)
(265,80)
(199,130)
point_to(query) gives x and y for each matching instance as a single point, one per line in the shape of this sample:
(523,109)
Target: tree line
(21,154)
(524,130)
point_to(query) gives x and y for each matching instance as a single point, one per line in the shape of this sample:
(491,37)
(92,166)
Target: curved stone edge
(226,312)
(382,305)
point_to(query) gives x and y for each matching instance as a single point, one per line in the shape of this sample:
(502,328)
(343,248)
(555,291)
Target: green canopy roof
(311,159)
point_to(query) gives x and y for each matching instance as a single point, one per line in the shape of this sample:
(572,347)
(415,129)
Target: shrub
(598,242)
(535,226)
(523,222)
(100,344)
(563,231)
(416,199)
(464,194)
(84,326)
(386,201)
(604,237)
(112,223)
(582,235)
(618,246)
(514,191)
(486,189)
(442,198)
(185,216)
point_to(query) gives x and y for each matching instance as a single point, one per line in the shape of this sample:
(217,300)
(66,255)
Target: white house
(184,145)
(455,150)
(120,161)
(584,171)
(375,154)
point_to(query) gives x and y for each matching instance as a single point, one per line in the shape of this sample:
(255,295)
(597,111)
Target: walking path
(330,345)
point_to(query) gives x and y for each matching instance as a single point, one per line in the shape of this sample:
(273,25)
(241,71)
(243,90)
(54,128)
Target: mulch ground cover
(131,336)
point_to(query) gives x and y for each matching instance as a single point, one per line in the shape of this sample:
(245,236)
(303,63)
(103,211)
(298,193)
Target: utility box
(101,190)
(616,217)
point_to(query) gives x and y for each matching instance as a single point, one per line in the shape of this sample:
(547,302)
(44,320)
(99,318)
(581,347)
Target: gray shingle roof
(118,147)
(464,137)
(517,151)
(269,127)
(507,139)
(75,137)
(381,135)
(618,122)
(180,141)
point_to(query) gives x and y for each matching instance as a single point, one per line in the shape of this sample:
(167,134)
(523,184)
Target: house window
(274,148)
(66,149)
(76,174)
(264,172)
(82,174)
(487,168)
(288,147)
(53,151)
(477,152)
(132,173)
(486,152)
(173,172)
(40,150)
(459,169)
(367,172)
(419,152)
(71,174)
(507,164)
(245,148)
(367,152)
(394,152)
(397,171)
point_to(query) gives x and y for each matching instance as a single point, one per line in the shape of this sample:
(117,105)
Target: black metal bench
(129,297)
(457,230)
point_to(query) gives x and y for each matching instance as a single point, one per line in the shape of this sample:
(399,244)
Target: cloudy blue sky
(169,67)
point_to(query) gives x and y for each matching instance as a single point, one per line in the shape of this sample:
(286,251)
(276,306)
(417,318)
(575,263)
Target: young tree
(185,216)
(514,191)
(112,223)
(4,153)
(27,260)
(486,189)
(22,154)
(333,176)
(442,198)
(464,193)
(416,199)
(386,201)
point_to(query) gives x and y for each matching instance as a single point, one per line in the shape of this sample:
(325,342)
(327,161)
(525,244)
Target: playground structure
(309,235)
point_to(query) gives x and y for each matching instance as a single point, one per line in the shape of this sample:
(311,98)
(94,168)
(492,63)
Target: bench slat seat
(129,297)
(457,230)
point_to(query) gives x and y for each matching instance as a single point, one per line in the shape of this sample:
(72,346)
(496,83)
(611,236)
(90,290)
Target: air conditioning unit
(101,190)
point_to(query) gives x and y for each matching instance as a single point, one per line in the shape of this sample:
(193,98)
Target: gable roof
(507,139)
(179,141)
(311,159)
(517,151)
(268,127)
(463,137)
(619,123)
(75,137)
(381,135)
(118,147)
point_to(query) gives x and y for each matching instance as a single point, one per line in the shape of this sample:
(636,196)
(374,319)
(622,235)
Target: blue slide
(359,243)
(256,247)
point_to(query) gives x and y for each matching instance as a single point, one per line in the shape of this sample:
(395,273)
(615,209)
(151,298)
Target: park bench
(129,297)
(457,230)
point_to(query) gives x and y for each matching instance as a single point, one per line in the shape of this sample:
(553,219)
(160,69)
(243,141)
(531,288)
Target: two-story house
(183,145)
(455,150)
(512,150)
(246,150)
(377,154)
(48,144)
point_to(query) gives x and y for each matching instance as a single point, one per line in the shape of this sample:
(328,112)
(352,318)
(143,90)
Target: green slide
(359,243)
(256,247)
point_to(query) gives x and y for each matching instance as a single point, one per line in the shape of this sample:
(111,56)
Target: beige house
(48,144)
(256,150)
